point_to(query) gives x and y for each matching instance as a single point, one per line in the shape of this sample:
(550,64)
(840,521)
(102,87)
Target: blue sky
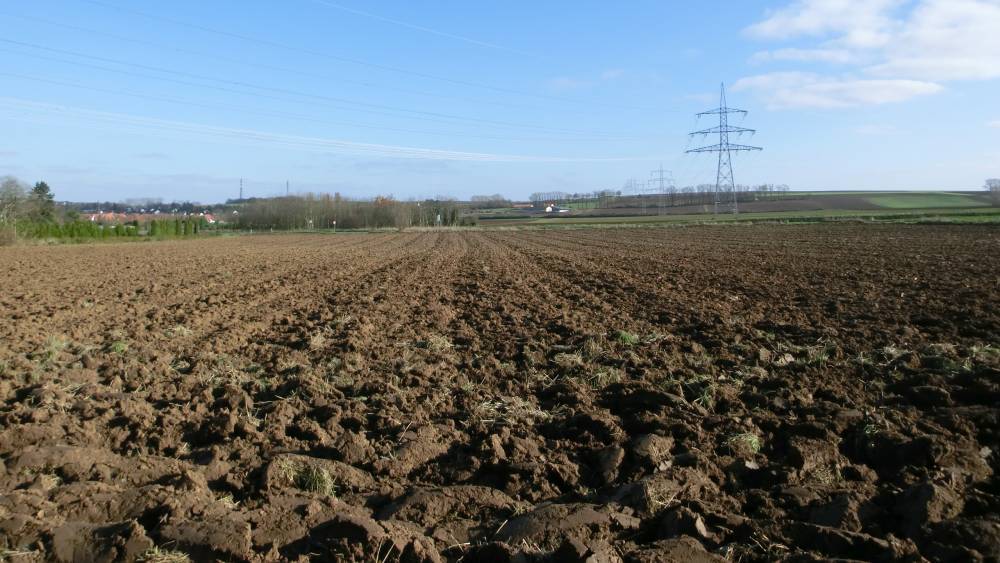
(110,99)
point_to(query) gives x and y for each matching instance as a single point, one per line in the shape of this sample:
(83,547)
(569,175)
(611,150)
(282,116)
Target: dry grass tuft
(437,343)
(605,376)
(161,555)
(508,411)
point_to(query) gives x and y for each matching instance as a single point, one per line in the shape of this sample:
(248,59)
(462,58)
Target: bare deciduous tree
(993,186)
(12,202)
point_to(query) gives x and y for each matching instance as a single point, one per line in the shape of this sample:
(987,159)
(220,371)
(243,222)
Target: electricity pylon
(665,180)
(724,175)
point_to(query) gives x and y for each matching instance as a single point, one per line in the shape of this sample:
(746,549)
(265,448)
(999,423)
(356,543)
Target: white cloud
(946,40)
(784,90)
(899,48)
(995,123)
(839,56)
(859,23)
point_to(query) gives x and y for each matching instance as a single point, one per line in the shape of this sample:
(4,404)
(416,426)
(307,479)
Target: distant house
(108,217)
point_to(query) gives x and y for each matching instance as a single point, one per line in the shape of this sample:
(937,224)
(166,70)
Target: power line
(285,91)
(724,173)
(421,28)
(387,68)
(288,70)
(288,141)
(272,113)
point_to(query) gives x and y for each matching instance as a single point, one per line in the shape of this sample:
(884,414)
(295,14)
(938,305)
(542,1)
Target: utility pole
(241,190)
(286,188)
(724,174)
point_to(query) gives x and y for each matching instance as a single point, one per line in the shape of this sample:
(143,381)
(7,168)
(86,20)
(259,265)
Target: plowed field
(742,393)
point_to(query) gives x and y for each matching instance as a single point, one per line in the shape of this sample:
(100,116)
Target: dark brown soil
(741,393)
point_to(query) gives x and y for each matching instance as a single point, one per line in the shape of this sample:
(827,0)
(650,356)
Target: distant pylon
(724,174)
(660,180)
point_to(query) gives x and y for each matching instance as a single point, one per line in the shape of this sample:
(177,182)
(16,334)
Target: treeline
(326,211)
(31,213)
(493,201)
(669,196)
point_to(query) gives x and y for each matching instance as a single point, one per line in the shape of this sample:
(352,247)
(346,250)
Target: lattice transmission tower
(659,182)
(724,175)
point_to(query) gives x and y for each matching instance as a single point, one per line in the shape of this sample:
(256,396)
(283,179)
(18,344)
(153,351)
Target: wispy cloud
(995,123)
(567,84)
(876,130)
(6,153)
(407,166)
(612,74)
(838,56)
(784,90)
(900,48)
(151,156)
(119,121)
(571,83)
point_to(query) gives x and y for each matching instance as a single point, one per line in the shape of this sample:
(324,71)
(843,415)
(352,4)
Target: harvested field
(741,393)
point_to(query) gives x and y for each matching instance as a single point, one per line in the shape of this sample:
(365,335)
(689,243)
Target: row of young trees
(76,230)
(325,211)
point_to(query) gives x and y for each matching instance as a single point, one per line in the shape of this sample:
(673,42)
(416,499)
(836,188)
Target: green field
(908,206)
(929,200)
